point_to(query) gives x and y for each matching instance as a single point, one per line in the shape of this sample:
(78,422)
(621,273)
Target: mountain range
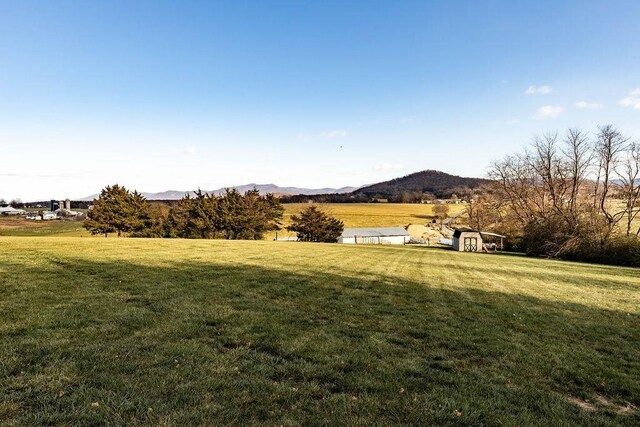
(438,183)
(263,188)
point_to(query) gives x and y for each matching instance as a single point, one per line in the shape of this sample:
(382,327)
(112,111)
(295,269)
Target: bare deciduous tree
(610,144)
(579,156)
(569,195)
(628,172)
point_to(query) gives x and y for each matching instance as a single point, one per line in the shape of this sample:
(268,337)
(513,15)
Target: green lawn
(177,332)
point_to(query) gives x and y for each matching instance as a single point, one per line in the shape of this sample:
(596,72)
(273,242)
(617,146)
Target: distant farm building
(466,240)
(48,215)
(66,213)
(12,211)
(375,236)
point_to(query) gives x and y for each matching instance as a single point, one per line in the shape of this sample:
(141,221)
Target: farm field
(18,226)
(352,214)
(373,214)
(369,214)
(184,332)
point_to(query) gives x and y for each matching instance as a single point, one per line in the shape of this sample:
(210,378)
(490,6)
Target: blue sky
(179,95)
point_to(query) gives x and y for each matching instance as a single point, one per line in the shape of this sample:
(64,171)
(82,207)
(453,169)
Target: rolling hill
(409,188)
(439,183)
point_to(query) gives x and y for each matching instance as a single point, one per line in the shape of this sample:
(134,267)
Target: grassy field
(178,332)
(19,226)
(373,214)
(352,214)
(369,214)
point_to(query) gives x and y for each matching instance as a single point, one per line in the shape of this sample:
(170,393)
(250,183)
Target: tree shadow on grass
(201,343)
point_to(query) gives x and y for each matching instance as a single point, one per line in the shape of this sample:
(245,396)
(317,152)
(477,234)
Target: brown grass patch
(603,402)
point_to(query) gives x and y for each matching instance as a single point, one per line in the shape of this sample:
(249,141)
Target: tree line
(14,203)
(573,196)
(231,215)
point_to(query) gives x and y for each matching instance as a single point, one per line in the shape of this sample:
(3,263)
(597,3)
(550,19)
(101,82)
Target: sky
(181,95)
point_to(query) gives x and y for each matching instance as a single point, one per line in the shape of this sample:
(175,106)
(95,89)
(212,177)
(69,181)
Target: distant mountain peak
(437,182)
(262,188)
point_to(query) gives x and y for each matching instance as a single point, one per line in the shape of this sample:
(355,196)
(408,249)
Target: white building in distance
(375,236)
(12,211)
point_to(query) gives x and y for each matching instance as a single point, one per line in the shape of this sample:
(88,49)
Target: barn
(11,211)
(467,240)
(375,236)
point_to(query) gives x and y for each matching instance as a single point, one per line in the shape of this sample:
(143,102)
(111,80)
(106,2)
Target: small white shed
(466,240)
(375,236)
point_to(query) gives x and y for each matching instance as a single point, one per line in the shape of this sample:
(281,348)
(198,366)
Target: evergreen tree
(143,221)
(313,225)
(117,210)
(201,218)
(231,215)
(248,216)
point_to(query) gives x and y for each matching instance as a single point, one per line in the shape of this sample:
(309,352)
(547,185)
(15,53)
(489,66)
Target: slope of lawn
(178,332)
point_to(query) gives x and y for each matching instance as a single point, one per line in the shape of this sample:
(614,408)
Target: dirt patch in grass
(627,408)
(582,404)
(602,402)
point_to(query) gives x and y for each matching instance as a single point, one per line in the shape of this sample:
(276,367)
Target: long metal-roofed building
(375,236)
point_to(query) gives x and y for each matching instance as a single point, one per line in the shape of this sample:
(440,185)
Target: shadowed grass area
(209,332)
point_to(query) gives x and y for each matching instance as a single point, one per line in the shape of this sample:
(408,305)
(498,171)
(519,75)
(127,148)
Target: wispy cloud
(632,100)
(44,175)
(189,150)
(549,112)
(334,134)
(387,167)
(539,90)
(584,105)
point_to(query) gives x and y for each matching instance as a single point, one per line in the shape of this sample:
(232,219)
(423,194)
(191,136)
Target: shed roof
(486,233)
(10,209)
(459,231)
(375,232)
